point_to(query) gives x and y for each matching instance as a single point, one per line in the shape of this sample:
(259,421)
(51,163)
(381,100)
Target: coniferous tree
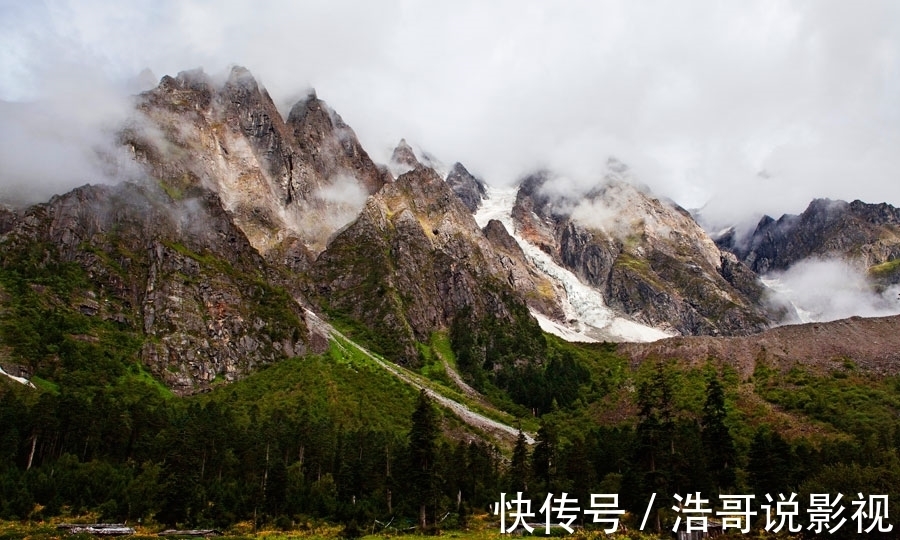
(655,435)
(518,468)
(423,453)
(771,463)
(718,446)
(579,473)
(543,459)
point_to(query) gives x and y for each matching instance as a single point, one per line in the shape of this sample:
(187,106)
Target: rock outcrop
(538,291)
(282,181)
(404,156)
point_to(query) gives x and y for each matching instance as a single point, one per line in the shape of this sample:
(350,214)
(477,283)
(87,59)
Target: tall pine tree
(718,446)
(423,453)
(543,459)
(655,435)
(518,467)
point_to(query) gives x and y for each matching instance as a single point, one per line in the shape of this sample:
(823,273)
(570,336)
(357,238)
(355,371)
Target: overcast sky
(749,106)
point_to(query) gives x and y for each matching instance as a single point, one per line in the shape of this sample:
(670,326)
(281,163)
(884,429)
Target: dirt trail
(467,415)
(461,384)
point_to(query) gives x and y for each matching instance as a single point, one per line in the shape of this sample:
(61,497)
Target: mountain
(247,220)
(650,259)
(868,235)
(414,260)
(176,278)
(282,181)
(469,189)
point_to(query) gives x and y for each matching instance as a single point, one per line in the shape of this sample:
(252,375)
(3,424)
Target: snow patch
(552,327)
(589,318)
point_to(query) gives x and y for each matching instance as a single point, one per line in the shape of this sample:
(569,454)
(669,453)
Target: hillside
(870,345)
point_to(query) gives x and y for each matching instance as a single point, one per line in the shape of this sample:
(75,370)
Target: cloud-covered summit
(698,98)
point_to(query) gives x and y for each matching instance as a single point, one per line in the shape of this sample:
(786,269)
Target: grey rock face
(865,233)
(469,189)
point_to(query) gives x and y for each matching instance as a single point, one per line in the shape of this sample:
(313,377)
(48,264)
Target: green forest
(335,438)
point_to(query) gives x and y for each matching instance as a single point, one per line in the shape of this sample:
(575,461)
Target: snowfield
(588,318)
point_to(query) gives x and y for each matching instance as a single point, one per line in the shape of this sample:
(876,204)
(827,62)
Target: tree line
(130,454)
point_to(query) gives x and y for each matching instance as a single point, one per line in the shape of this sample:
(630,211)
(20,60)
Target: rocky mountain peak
(196,79)
(404,155)
(469,189)
(298,112)
(867,234)
(649,257)
(283,181)
(191,89)
(241,76)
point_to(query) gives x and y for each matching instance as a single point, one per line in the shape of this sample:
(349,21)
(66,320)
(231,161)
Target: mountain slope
(647,256)
(866,234)
(411,263)
(870,345)
(176,280)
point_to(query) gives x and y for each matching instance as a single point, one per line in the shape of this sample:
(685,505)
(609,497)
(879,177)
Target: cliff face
(538,291)
(648,256)
(867,234)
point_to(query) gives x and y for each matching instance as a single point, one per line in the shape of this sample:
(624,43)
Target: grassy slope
(343,386)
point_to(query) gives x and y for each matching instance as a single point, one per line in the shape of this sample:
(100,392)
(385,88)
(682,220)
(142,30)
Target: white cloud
(698,97)
(826,290)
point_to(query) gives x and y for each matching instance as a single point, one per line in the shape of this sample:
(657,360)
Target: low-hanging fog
(819,290)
